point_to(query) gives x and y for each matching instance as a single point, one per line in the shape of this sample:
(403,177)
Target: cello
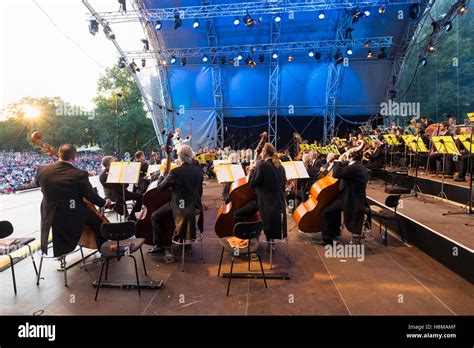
(240,194)
(87,239)
(323,192)
(153,199)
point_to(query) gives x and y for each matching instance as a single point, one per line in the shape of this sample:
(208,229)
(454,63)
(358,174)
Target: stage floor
(396,280)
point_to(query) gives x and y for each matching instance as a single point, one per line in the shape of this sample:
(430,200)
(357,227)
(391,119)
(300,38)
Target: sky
(37,59)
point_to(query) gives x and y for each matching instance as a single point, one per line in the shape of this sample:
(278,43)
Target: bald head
(67,153)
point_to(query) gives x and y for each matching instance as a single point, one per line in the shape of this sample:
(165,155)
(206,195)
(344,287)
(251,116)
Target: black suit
(115,193)
(63,209)
(269,184)
(376,159)
(351,200)
(185,183)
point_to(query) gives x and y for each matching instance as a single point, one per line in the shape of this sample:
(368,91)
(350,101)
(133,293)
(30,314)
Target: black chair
(9,245)
(387,216)
(244,230)
(119,244)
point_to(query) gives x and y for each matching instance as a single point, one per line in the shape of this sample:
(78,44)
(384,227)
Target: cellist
(268,178)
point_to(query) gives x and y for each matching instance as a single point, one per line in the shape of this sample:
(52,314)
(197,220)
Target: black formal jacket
(62,208)
(269,183)
(112,191)
(376,159)
(185,183)
(353,184)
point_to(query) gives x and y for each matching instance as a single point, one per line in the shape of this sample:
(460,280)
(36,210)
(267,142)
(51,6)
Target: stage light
(423,61)
(367,44)
(236,21)
(164,62)
(205,59)
(122,63)
(381,9)
(239,57)
(146,44)
(134,67)
(231,61)
(93,26)
(383,53)
(261,58)
(277,19)
(249,21)
(321,15)
(253,50)
(311,53)
(196,24)
(173,60)
(462,10)
(109,34)
(338,57)
(357,14)
(177,21)
(143,63)
(250,62)
(123,5)
(158,25)
(183,61)
(414,11)
(275,55)
(349,51)
(223,60)
(370,54)
(448,26)
(367,12)
(290,58)
(317,55)
(432,49)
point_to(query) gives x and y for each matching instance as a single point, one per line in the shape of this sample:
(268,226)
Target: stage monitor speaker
(397,190)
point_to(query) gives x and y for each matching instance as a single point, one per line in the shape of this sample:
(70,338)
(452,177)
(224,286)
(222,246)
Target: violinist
(185,183)
(375,155)
(351,199)
(268,179)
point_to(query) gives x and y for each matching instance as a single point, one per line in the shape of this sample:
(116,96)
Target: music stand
(392,141)
(445,145)
(124,173)
(417,146)
(467,143)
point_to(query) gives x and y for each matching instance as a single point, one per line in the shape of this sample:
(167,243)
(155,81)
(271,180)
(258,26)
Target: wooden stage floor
(397,280)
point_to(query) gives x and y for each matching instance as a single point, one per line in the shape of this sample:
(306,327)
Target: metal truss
(410,36)
(217,85)
(274,87)
(161,92)
(323,45)
(240,9)
(136,79)
(334,82)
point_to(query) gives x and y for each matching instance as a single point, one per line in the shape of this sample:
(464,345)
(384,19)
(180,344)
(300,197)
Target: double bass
(87,239)
(155,198)
(240,194)
(323,192)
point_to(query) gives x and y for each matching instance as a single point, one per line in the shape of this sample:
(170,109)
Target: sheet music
(124,172)
(301,169)
(114,172)
(152,168)
(237,171)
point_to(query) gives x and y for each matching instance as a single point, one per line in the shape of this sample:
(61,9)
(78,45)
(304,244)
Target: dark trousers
(158,219)
(448,164)
(331,220)
(246,212)
(129,196)
(464,164)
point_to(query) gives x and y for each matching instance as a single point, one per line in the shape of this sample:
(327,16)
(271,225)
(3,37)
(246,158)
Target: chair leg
(271,253)
(136,274)
(263,272)
(13,273)
(202,250)
(32,259)
(39,271)
(83,261)
(106,269)
(100,279)
(400,229)
(248,254)
(220,262)
(230,275)
(182,256)
(64,267)
(143,260)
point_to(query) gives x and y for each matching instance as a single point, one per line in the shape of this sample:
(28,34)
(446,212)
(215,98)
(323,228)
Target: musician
(115,192)
(327,168)
(142,182)
(466,159)
(351,199)
(425,122)
(185,183)
(64,186)
(178,142)
(376,155)
(268,179)
(436,157)
(315,166)
(452,124)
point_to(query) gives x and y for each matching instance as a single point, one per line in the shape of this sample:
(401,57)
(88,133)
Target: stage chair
(120,244)
(189,240)
(244,230)
(272,245)
(9,245)
(387,216)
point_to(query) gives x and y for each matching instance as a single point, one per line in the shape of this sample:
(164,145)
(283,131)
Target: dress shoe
(156,250)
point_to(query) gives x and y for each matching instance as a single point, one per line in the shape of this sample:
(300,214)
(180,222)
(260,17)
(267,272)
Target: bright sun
(30,111)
